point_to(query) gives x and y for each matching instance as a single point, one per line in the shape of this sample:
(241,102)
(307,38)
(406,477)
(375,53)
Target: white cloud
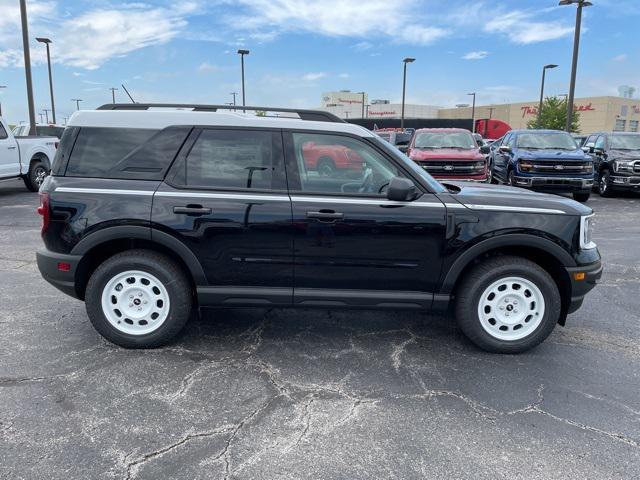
(344,75)
(620,58)
(311,77)
(206,67)
(362,46)
(477,55)
(521,28)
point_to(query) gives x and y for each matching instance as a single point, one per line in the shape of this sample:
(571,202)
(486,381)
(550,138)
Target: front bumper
(631,182)
(59,270)
(554,183)
(579,288)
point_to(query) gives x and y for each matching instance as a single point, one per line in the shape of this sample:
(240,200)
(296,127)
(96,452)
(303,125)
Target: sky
(184,51)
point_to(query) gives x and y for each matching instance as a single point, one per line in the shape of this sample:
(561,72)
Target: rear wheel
(490,178)
(581,196)
(38,171)
(507,305)
(604,182)
(138,299)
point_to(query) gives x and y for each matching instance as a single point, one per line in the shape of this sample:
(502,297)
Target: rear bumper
(579,288)
(53,268)
(555,183)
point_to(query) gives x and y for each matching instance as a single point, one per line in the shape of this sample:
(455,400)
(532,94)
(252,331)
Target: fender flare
(107,234)
(507,240)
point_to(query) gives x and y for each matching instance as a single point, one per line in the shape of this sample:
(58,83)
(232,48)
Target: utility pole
(113,94)
(46,113)
(473,111)
(233,94)
(27,66)
(77,100)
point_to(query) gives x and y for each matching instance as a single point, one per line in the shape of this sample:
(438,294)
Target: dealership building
(596,113)
(347,104)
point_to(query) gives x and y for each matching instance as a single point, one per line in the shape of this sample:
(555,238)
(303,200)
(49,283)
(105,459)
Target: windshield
(435,186)
(462,140)
(625,142)
(544,141)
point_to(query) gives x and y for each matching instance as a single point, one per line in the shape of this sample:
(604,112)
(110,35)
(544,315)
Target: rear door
(9,154)
(352,246)
(225,198)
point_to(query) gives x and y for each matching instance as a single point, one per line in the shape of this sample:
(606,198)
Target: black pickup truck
(617,161)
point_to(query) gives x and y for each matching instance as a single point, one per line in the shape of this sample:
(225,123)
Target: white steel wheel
(511,308)
(135,302)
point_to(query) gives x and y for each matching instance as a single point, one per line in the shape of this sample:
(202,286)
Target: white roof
(158,119)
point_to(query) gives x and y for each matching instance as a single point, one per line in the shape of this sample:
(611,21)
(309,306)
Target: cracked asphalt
(255,394)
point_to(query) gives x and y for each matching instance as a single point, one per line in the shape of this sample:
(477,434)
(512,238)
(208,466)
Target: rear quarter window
(125,153)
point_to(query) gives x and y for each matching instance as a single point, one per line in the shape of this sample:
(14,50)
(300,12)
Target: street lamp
(544,71)
(363,94)
(473,111)
(1,86)
(574,64)
(77,100)
(27,66)
(46,113)
(113,94)
(47,42)
(404,86)
(234,99)
(242,53)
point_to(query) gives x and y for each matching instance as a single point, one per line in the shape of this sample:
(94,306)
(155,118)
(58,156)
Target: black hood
(628,155)
(479,195)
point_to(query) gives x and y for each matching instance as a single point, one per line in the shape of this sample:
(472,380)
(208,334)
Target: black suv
(616,161)
(151,212)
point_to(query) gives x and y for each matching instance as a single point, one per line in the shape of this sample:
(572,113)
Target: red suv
(449,153)
(328,159)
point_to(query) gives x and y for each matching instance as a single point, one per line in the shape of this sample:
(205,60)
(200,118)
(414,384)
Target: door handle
(11,148)
(326,215)
(192,210)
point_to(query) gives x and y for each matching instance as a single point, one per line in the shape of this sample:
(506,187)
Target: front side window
(337,164)
(546,141)
(600,142)
(455,140)
(230,159)
(591,141)
(3,133)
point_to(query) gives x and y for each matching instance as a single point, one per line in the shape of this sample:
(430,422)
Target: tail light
(45,211)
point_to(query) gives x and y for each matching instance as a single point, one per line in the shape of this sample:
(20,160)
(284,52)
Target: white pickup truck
(29,158)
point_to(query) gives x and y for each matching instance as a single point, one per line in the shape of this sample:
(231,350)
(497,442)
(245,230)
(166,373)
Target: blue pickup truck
(548,160)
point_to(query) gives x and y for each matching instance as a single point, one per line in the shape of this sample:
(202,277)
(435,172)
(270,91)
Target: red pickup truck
(449,153)
(327,159)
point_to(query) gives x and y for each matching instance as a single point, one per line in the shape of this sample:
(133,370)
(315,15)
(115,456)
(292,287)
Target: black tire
(38,171)
(166,271)
(326,167)
(480,278)
(604,183)
(491,178)
(581,196)
(511,180)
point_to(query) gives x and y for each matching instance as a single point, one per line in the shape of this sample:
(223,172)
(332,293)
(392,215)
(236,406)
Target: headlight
(586,232)
(619,166)
(479,165)
(588,167)
(525,166)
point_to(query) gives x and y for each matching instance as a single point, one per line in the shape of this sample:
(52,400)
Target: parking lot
(316,393)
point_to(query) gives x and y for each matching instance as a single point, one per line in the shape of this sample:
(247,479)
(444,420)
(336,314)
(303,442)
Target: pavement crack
(399,349)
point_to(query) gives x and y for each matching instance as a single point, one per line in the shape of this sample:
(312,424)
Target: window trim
(293,175)
(191,140)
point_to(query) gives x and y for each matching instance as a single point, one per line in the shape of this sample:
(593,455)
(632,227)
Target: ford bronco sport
(149,213)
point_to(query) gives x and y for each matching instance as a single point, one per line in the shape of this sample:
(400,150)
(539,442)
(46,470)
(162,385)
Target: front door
(9,155)
(225,198)
(352,246)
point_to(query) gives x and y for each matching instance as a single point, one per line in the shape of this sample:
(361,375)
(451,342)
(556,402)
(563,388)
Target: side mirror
(485,149)
(586,149)
(598,151)
(401,190)
(505,149)
(403,148)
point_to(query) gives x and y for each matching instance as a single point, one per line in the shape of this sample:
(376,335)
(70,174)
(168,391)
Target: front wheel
(138,299)
(604,182)
(581,196)
(507,305)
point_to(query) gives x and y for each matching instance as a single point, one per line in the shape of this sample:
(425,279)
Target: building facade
(347,104)
(596,113)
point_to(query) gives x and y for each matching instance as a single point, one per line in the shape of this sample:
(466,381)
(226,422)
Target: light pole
(41,120)
(242,53)
(27,66)
(491,109)
(1,86)
(77,100)
(404,86)
(233,94)
(47,41)
(576,48)
(473,112)
(113,94)
(544,71)
(46,114)
(363,94)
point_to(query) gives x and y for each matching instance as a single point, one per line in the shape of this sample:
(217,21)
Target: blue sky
(184,50)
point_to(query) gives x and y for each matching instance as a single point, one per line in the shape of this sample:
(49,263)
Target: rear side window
(232,159)
(125,153)
(3,133)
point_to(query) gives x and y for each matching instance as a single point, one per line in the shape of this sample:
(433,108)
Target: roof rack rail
(312,115)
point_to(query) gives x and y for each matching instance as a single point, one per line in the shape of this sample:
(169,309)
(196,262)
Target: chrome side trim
(225,196)
(365,201)
(502,208)
(112,191)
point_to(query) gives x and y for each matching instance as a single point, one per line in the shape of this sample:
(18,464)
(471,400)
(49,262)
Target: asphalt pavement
(296,394)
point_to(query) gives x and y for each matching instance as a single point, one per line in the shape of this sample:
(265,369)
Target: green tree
(554,116)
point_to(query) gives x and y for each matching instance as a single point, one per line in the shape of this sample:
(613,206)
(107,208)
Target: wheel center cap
(136,301)
(509,307)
